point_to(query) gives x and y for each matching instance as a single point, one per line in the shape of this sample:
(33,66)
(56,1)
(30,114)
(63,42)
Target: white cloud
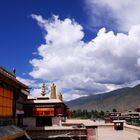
(68,96)
(106,62)
(28,82)
(35,92)
(36,87)
(121,13)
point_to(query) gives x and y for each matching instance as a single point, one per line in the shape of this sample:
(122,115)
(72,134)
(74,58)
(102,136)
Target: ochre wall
(6,102)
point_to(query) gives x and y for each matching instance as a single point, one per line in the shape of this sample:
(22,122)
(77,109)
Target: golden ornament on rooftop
(53,91)
(43,91)
(60,96)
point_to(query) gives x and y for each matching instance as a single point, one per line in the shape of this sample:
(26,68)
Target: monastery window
(43,111)
(6,102)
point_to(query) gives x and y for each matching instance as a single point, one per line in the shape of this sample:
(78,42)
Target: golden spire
(60,96)
(53,91)
(43,91)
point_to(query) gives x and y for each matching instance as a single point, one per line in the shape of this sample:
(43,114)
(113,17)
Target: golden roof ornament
(60,97)
(43,90)
(53,91)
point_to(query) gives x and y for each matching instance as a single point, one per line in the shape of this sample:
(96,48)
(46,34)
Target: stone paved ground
(111,134)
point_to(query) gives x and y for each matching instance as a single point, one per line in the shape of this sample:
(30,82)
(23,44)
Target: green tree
(101,114)
(114,110)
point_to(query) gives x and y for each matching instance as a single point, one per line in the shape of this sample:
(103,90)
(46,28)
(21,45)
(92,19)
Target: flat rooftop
(43,100)
(87,122)
(111,134)
(51,128)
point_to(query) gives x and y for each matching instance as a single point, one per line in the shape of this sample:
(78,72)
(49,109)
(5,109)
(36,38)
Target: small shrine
(44,110)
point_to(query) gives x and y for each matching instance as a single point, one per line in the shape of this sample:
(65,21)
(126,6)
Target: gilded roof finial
(53,91)
(43,91)
(60,97)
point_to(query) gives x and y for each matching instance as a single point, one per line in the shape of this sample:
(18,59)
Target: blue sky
(19,34)
(84,46)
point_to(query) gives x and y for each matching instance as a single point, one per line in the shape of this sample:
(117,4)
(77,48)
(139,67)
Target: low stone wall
(111,125)
(132,129)
(57,132)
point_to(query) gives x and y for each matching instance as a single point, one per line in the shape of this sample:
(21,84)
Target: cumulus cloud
(35,87)
(28,82)
(68,96)
(120,13)
(81,68)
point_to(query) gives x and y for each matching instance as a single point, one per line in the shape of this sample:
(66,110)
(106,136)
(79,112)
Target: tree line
(85,114)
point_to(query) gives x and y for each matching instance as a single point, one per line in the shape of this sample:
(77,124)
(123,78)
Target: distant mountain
(121,99)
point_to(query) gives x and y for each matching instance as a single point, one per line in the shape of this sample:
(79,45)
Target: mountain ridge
(121,99)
